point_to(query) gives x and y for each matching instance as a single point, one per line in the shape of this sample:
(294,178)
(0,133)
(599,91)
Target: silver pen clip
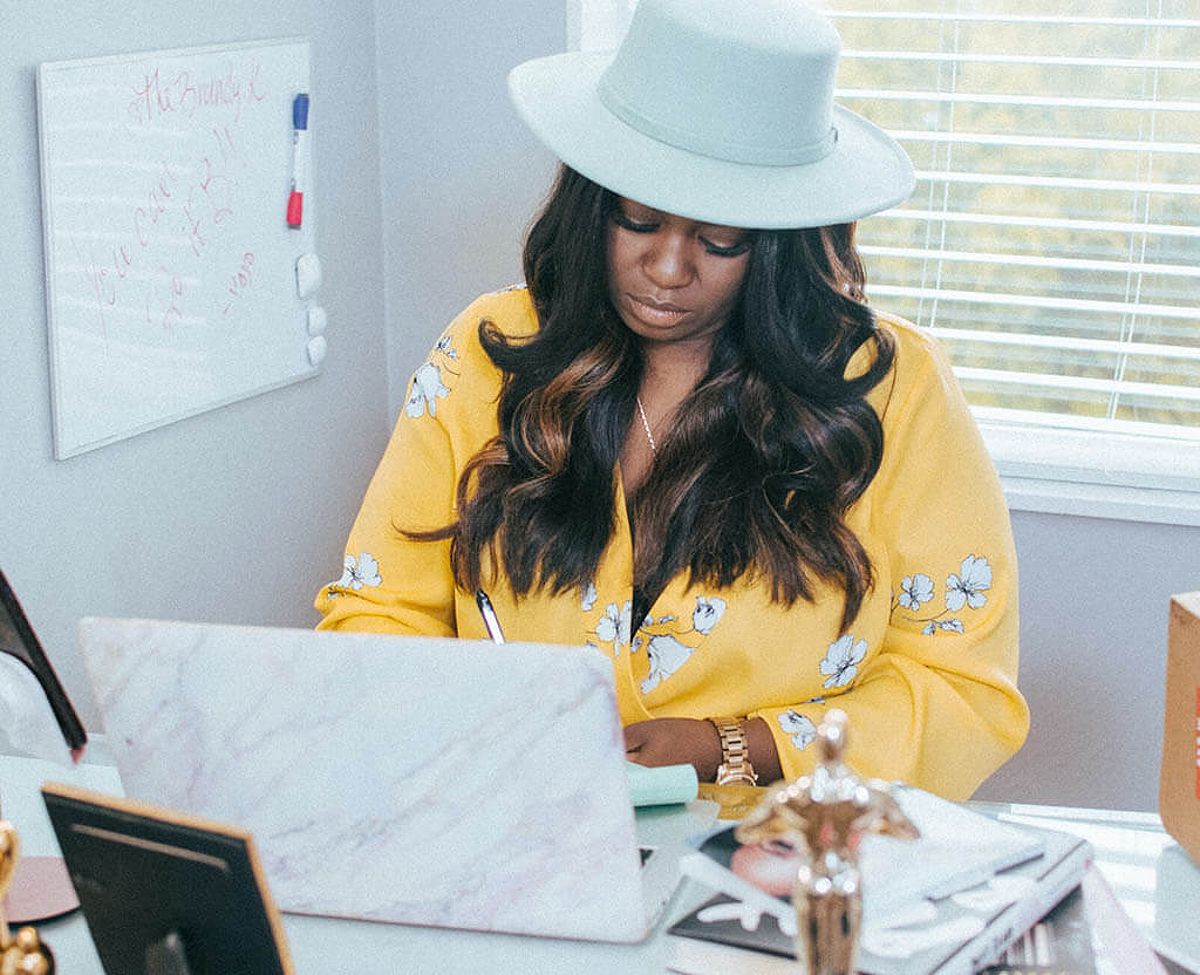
(488,612)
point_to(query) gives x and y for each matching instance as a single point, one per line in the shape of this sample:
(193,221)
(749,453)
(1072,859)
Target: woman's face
(673,279)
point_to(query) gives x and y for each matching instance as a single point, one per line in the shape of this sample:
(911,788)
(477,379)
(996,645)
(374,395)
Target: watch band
(735,767)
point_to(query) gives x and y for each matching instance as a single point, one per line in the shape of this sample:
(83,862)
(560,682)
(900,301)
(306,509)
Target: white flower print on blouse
(966,588)
(427,389)
(707,614)
(427,382)
(614,626)
(357,573)
(663,637)
(801,728)
(975,575)
(915,590)
(667,655)
(842,659)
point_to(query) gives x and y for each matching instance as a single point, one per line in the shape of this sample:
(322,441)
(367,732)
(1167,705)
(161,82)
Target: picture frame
(166,893)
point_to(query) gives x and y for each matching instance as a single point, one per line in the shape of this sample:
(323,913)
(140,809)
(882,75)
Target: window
(1052,243)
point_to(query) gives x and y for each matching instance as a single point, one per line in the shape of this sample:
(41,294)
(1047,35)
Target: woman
(693,446)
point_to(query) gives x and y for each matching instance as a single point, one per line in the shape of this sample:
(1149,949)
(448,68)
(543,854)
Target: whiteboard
(170,267)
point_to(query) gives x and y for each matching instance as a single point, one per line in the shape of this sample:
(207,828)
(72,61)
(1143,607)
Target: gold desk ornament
(24,954)
(823,817)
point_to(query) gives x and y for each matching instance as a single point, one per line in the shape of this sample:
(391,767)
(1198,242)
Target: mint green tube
(661,786)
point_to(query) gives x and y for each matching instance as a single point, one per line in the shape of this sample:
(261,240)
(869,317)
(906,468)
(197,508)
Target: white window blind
(1053,241)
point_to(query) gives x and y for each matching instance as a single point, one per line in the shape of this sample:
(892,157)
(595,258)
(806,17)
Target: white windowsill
(1097,475)
(1121,502)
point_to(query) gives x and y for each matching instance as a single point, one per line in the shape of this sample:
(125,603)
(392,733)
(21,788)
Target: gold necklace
(646,425)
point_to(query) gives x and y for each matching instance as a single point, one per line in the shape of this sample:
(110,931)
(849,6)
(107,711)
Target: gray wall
(1094,600)
(461,176)
(238,514)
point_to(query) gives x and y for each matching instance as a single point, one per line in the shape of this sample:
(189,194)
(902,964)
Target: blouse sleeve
(936,704)
(392,583)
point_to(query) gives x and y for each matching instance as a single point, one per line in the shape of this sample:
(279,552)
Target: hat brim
(865,172)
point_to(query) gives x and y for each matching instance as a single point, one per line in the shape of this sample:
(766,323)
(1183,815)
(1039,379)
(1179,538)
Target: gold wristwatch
(735,767)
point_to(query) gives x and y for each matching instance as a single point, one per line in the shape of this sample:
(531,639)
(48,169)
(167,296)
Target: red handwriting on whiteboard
(122,260)
(217,184)
(185,93)
(163,296)
(180,216)
(104,292)
(193,227)
(171,208)
(158,199)
(226,143)
(240,281)
(151,98)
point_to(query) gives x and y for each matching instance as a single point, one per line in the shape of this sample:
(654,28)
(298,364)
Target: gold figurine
(25,954)
(10,849)
(822,817)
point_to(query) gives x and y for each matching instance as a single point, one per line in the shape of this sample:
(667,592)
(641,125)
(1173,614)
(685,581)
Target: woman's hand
(676,741)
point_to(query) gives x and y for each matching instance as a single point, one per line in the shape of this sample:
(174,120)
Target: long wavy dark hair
(765,455)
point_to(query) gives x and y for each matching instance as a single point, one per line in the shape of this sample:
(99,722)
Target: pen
(295,205)
(488,612)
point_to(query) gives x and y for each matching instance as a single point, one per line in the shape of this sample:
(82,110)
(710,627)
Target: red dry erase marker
(295,206)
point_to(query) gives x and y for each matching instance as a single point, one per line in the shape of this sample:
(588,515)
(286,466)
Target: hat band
(715,147)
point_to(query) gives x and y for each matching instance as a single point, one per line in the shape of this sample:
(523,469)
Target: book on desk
(1088,933)
(958,929)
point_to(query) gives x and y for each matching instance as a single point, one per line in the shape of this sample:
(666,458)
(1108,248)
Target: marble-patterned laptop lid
(427,781)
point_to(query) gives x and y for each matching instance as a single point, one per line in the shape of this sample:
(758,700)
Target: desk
(1155,880)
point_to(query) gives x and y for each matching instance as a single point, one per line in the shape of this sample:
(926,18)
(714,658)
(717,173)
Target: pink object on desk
(1115,938)
(41,891)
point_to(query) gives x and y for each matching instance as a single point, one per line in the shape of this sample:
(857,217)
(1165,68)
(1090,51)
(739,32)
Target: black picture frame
(165,892)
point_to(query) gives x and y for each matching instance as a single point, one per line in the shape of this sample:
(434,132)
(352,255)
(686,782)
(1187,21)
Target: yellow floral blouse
(926,671)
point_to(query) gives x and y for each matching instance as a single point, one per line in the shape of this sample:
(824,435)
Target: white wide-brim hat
(717,111)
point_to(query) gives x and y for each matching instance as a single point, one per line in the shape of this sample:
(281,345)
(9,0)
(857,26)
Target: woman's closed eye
(626,222)
(726,250)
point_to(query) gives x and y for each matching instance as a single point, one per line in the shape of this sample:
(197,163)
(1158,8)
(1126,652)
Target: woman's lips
(656,313)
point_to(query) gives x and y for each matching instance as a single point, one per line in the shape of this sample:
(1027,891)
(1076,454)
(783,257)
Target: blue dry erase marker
(295,206)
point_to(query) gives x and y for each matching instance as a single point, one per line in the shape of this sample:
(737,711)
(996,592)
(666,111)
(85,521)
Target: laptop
(426,781)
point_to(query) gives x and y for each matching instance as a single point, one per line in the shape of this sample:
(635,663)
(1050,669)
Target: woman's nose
(667,263)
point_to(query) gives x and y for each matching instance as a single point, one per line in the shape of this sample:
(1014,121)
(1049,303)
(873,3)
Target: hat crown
(749,82)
